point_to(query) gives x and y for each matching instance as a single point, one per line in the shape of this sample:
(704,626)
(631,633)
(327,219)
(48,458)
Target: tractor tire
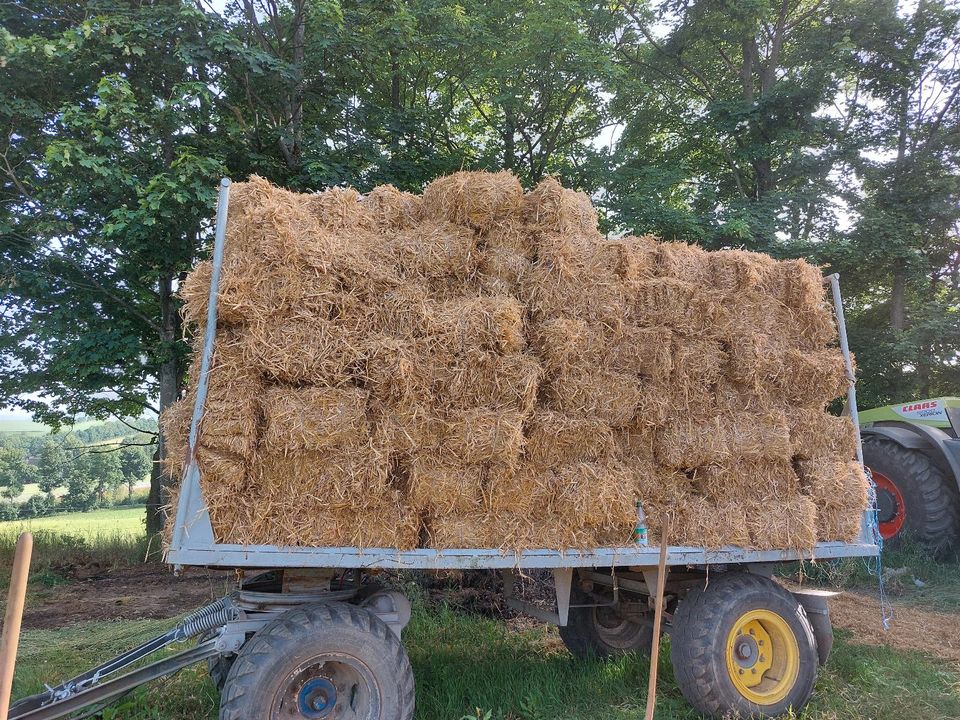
(930,511)
(601,631)
(742,646)
(317,661)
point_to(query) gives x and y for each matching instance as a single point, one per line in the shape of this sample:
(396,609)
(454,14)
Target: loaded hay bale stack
(479,367)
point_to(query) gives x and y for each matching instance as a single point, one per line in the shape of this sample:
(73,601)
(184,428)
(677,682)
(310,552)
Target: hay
(475,199)
(556,209)
(480,436)
(313,419)
(476,367)
(388,207)
(555,439)
(815,433)
(604,395)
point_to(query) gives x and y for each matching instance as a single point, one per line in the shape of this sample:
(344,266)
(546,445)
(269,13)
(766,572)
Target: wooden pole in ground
(657,620)
(10,639)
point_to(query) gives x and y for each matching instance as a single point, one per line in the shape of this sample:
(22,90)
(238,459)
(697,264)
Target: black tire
(601,631)
(704,642)
(932,507)
(328,653)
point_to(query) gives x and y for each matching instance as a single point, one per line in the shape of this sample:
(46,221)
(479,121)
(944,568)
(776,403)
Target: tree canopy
(824,129)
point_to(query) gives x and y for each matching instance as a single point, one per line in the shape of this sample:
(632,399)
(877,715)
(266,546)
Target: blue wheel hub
(317,698)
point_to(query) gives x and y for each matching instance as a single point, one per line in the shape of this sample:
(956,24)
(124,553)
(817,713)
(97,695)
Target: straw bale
(816,433)
(507,236)
(336,208)
(711,524)
(501,271)
(662,492)
(551,207)
(813,378)
(686,441)
(748,479)
(679,261)
(602,394)
(796,283)
(401,312)
(762,434)
(407,427)
(478,200)
(635,439)
(840,490)
(555,439)
(697,361)
(491,324)
(522,490)
(596,494)
(791,524)
(485,379)
(567,343)
(436,250)
(390,208)
(676,304)
(482,435)
(516,532)
(755,359)
(303,349)
(554,285)
(816,327)
(313,418)
(398,371)
(738,270)
(630,258)
(445,488)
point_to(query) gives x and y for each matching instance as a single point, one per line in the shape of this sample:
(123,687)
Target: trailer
(312,634)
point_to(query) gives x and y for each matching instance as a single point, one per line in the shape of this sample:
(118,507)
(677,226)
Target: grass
(16,423)
(124,521)
(472,667)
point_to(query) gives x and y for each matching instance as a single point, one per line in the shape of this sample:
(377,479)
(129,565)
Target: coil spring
(206,618)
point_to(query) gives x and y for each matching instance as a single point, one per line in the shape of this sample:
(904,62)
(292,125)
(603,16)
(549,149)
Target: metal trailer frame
(193,542)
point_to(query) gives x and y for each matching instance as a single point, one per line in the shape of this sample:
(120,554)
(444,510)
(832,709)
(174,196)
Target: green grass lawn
(126,521)
(472,667)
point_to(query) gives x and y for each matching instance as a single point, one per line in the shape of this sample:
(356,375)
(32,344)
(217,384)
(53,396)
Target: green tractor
(914,455)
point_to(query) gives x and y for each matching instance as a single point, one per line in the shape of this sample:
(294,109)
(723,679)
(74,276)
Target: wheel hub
(317,698)
(891,508)
(763,657)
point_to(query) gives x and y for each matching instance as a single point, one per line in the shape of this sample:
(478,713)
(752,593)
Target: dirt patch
(910,628)
(129,593)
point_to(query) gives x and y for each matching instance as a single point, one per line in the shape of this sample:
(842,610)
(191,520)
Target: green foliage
(14,472)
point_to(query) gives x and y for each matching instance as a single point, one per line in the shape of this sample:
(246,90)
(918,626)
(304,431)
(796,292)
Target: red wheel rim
(892,508)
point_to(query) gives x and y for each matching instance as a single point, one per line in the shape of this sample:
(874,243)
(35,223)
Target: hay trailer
(313,635)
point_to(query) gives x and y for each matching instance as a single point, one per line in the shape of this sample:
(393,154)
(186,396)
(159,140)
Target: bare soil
(126,593)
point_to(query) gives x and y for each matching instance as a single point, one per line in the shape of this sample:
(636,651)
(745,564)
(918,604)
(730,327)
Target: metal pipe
(845,349)
(209,335)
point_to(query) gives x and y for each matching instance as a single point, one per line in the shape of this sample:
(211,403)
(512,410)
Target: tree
(107,189)
(14,472)
(98,472)
(134,465)
(53,465)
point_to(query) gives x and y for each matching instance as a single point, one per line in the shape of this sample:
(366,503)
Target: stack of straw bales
(479,367)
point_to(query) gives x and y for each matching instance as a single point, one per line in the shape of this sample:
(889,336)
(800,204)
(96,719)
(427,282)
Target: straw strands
(477,366)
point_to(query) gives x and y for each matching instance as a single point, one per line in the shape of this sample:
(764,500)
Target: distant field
(127,522)
(10,423)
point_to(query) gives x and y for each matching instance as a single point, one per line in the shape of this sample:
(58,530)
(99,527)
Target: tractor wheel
(602,631)
(914,496)
(742,647)
(329,660)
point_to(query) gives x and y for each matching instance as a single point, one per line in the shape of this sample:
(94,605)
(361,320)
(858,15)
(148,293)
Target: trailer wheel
(330,660)
(913,496)
(602,631)
(742,646)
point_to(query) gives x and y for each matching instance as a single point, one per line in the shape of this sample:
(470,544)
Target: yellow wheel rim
(763,657)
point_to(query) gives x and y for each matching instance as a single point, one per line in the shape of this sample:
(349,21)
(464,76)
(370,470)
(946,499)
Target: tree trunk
(898,300)
(168,376)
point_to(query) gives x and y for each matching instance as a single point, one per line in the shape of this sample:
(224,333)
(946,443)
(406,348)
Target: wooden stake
(657,620)
(11,623)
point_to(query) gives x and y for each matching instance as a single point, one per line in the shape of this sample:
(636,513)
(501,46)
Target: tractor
(913,453)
